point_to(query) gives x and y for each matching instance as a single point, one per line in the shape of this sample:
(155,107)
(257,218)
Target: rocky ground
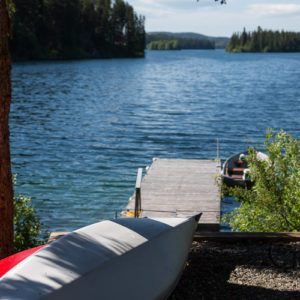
(216,270)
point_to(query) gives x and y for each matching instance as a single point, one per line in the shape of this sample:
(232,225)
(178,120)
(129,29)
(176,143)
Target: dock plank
(181,187)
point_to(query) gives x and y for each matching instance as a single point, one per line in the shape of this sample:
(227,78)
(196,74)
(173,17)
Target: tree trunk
(6,189)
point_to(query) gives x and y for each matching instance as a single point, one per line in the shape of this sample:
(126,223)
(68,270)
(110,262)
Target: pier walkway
(180,188)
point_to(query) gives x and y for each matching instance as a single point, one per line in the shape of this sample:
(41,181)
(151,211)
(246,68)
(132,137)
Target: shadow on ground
(240,271)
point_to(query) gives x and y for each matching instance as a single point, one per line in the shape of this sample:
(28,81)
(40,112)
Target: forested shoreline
(181,43)
(163,40)
(61,29)
(264,41)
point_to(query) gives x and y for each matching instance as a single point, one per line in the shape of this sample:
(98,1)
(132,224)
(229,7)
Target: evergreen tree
(264,41)
(64,29)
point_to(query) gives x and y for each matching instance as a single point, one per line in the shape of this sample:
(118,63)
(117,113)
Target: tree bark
(6,189)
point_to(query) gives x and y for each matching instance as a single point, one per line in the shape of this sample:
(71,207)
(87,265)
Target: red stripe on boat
(9,262)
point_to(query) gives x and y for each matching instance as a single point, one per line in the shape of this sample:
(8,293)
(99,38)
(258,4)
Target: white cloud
(170,6)
(211,18)
(152,13)
(274,9)
(161,11)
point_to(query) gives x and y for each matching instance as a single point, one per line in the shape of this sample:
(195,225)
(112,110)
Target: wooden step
(235,176)
(238,169)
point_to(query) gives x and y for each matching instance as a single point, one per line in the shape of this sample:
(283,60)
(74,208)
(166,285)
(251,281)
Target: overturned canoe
(119,259)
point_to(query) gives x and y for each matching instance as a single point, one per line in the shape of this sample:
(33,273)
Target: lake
(81,129)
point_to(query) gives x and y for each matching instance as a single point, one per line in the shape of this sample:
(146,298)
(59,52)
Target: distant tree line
(64,29)
(164,45)
(181,43)
(264,41)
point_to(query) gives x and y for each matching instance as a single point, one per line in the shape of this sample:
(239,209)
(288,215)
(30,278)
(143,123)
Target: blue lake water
(81,129)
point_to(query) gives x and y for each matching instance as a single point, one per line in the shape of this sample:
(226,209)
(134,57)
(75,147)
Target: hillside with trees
(264,41)
(187,40)
(61,29)
(181,43)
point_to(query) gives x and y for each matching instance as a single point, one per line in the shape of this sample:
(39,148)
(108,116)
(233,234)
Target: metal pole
(218,149)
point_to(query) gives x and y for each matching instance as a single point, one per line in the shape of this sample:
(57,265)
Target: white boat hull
(118,259)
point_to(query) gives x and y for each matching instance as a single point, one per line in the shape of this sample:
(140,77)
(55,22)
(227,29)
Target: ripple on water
(80,129)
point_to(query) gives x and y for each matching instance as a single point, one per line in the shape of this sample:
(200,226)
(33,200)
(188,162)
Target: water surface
(81,129)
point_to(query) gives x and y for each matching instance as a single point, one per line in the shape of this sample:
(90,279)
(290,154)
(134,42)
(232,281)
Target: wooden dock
(180,188)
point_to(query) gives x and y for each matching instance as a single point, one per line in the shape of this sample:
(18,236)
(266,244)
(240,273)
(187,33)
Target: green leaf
(273,203)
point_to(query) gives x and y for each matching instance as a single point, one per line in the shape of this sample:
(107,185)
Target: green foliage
(180,43)
(11,7)
(164,45)
(273,203)
(27,225)
(64,29)
(189,39)
(264,41)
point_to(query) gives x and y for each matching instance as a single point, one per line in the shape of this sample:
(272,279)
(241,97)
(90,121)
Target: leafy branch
(273,203)
(27,225)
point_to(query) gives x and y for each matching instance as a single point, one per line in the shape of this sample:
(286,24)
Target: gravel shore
(217,270)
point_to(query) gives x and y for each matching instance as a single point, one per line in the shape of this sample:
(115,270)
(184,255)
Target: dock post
(138,204)
(218,153)
(218,149)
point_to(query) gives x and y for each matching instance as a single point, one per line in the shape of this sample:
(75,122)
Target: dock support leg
(138,204)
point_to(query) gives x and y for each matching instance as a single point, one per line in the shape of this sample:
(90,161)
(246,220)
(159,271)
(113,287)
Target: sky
(210,18)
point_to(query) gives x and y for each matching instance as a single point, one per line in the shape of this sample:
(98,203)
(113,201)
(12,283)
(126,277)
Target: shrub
(27,225)
(273,203)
